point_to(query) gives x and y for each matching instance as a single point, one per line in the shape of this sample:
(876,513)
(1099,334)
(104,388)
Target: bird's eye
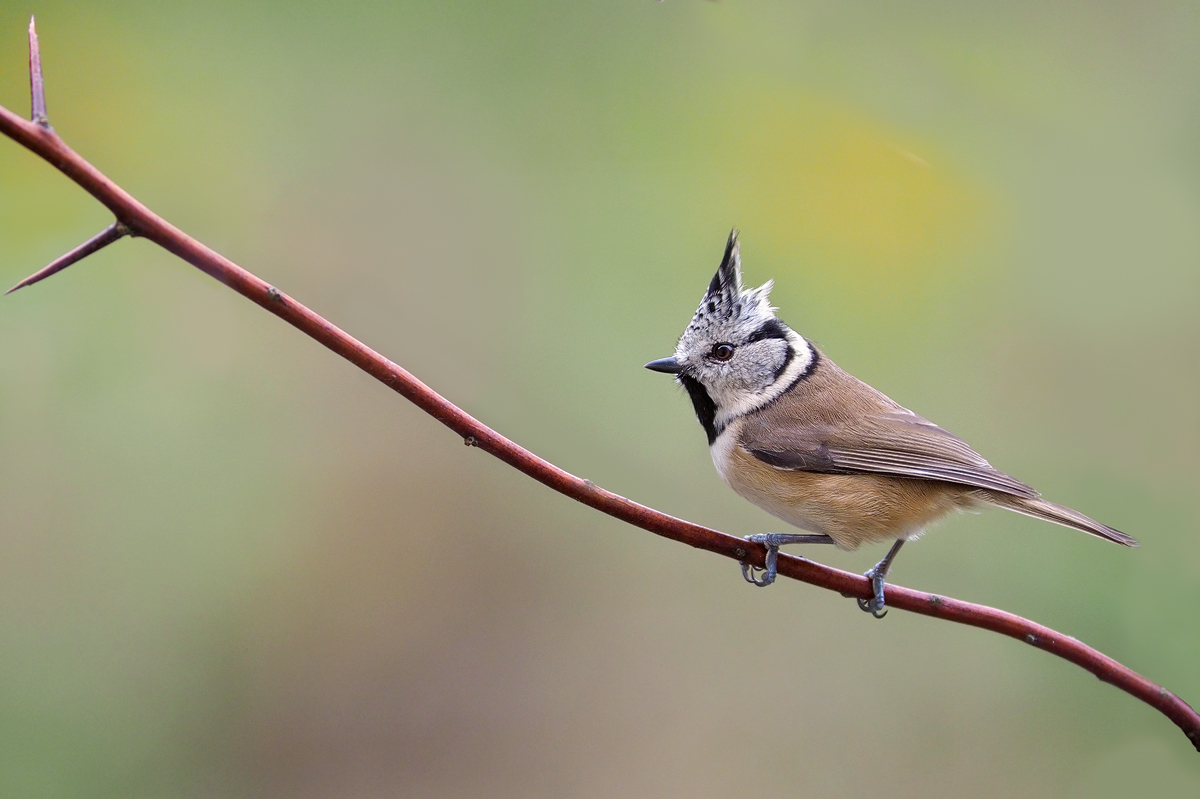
(722,352)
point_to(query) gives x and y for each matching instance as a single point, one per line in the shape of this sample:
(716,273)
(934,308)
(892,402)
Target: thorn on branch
(37,89)
(98,242)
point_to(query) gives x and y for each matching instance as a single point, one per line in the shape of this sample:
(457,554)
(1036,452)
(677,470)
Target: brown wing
(836,424)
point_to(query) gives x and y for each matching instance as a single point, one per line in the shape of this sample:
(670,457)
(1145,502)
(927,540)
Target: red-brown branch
(140,221)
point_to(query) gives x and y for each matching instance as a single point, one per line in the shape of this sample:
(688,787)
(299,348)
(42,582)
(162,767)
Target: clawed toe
(874,605)
(750,573)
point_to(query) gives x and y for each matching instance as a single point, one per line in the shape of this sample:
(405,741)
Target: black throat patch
(706,409)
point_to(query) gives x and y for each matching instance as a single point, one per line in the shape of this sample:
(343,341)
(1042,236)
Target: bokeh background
(231,565)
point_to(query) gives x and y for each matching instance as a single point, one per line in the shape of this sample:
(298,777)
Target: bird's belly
(852,509)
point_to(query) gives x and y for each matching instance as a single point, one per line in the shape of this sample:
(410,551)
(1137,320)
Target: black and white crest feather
(726,301)
(728,279)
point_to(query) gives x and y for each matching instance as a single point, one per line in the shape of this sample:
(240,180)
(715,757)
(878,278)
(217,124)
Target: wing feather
(832,422)
(899,444)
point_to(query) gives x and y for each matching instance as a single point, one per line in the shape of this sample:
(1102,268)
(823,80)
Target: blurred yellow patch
(835,194)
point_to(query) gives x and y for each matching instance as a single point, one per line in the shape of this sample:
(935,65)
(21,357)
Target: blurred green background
(231,565)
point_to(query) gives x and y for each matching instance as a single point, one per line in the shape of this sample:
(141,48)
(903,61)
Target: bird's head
(735,355)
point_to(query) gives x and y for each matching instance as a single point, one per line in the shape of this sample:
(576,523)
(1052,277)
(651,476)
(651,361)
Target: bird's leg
(773,541)
(876,575)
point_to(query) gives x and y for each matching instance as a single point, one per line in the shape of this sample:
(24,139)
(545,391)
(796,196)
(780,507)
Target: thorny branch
(133,218)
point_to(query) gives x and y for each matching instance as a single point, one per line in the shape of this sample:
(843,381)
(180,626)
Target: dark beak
(666,365)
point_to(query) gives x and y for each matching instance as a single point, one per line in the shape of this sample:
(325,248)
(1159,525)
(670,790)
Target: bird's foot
(874,605)
(876,575)
(750,573)
(773,541)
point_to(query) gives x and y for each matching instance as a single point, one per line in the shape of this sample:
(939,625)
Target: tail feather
(1041,509)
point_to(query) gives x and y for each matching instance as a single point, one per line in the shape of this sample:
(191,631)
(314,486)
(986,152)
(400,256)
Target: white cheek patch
(732,404)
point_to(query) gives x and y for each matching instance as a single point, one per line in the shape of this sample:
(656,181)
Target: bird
(811,444)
